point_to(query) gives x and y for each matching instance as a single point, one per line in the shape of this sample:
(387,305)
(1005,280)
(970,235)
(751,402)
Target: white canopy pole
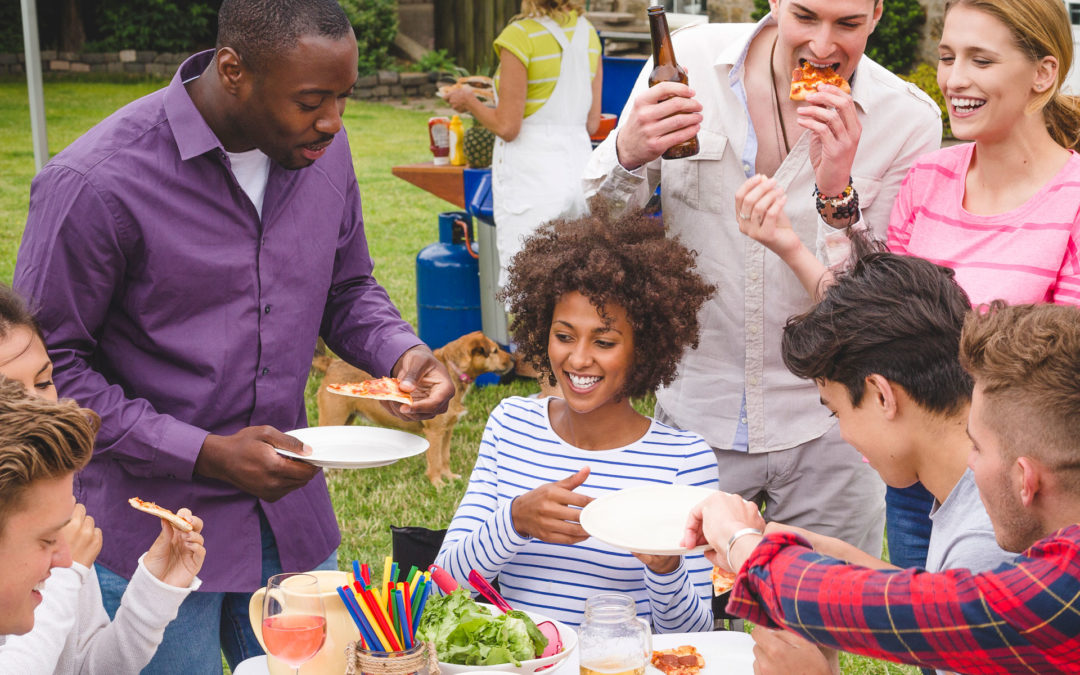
(33,82)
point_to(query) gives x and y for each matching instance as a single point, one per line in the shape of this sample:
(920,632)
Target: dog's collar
(460,375)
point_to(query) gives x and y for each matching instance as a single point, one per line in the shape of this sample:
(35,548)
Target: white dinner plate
(647,519)
(355,447)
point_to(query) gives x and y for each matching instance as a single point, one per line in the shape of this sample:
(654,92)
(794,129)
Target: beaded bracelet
(839,208)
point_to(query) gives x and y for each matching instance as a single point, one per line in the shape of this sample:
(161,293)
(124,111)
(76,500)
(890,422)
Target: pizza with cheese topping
(805,81)
(684,660)
(179,522)
(382,389)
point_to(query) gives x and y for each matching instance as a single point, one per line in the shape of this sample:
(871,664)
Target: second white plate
(648,519)
(355,447)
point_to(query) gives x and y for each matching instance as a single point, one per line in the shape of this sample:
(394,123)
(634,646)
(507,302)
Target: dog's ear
(321,362)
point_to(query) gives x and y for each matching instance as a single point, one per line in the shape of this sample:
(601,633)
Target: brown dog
(465,358)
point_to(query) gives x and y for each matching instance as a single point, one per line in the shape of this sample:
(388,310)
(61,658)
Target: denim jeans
(207,623)
(907,523)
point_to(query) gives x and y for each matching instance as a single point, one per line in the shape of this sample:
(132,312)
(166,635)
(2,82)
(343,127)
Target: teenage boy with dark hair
(1024,425)
(883,347)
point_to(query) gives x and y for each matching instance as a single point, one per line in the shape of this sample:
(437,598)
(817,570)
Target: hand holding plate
(715,520)
(247,459)
(551,512)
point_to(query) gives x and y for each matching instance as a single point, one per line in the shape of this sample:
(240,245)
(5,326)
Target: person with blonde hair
(1001,210)
(548,92)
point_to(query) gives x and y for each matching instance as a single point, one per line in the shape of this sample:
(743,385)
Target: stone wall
(386,85)
(392,85)
(125,61)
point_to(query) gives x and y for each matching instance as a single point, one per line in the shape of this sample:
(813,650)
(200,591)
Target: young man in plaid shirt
(1022,617)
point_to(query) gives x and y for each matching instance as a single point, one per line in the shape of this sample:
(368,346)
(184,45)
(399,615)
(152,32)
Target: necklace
(782,136)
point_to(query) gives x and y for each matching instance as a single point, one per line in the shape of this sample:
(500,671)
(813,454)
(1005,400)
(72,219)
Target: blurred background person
(548,92)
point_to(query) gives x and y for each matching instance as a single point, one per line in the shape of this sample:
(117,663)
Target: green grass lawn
(400,220)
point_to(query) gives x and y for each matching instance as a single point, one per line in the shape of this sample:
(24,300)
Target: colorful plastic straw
(405,628)
(367,638)
(420,607)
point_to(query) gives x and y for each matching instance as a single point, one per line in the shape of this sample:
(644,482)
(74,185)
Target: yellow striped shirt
(537,48)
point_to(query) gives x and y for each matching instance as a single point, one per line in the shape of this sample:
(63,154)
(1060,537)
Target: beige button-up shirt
(742,324)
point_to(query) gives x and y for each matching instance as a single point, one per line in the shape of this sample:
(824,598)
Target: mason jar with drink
(612,639)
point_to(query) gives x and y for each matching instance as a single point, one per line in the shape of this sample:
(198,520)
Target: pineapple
(479,142)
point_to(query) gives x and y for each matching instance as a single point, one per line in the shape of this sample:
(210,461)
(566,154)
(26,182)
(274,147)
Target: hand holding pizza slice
(177,555)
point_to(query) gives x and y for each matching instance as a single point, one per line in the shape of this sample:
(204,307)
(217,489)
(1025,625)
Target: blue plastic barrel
(447,284)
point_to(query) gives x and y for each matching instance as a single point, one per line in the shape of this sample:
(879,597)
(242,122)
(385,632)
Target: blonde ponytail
(1062,115)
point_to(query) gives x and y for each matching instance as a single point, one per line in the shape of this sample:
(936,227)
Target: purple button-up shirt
(174,311)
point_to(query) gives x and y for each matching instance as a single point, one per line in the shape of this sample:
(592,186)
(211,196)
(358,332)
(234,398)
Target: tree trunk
(72,32)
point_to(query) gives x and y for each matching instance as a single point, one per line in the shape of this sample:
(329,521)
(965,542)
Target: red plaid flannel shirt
(1023,617)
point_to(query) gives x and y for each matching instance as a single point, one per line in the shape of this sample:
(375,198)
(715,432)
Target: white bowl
(566,634)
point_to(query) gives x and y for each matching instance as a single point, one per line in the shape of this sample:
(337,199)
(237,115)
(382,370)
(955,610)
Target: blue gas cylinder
(448,283)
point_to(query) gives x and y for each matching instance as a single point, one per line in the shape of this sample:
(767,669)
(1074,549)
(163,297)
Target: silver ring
(744,216)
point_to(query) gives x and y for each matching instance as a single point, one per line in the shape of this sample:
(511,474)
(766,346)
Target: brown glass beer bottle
(665,69)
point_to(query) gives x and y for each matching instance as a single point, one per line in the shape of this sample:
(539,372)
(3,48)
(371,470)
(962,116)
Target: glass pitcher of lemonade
(612,639)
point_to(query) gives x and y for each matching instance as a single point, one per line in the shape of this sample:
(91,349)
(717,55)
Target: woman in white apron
(540,154)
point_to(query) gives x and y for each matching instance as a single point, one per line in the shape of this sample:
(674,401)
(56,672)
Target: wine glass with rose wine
(293,618)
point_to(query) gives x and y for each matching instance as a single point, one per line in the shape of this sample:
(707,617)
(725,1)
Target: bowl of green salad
(471,637)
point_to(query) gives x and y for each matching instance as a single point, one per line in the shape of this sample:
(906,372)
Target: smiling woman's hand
(551,512)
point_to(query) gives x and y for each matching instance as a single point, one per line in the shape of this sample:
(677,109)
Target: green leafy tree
(895,41)
(11,38)
(376,26)
(157,25)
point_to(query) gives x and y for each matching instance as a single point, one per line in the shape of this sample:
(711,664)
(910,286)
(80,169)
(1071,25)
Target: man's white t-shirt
(251,168)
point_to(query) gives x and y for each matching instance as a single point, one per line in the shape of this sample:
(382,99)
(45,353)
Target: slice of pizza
(382,389)
(806,78)
(180,523)
(684,660)
(722,581)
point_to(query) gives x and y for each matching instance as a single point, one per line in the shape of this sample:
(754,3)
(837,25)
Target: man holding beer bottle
(842,157)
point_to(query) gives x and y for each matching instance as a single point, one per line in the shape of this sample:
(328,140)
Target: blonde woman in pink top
(1004,211)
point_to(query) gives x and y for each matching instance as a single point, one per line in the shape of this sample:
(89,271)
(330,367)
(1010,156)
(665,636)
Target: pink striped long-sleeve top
(1026,255)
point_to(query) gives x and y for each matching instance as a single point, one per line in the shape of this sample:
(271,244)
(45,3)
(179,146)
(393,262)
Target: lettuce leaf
(467,633)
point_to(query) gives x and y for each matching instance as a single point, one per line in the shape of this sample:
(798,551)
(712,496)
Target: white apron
(537,176)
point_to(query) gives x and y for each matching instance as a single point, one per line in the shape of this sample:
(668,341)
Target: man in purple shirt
(184,256)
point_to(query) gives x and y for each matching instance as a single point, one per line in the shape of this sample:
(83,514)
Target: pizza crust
(182,524)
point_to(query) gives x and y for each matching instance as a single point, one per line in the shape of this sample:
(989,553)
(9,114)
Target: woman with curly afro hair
(605,308)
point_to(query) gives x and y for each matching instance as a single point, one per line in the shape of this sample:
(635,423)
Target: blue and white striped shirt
(519,452)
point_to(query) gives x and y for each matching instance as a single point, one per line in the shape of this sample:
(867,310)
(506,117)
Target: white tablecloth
(725,652)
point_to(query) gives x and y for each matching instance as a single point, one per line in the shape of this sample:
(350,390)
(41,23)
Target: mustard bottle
(457,142)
